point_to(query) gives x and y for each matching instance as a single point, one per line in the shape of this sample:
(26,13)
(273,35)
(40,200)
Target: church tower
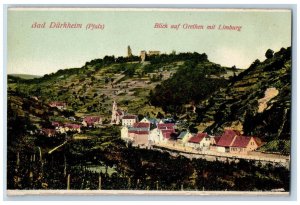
(114,113)
(129,52)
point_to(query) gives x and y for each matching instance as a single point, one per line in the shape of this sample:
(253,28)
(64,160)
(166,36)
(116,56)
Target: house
(162,133)
(233,142)
(154,136)
(92,121)
(152,121)
(137,134)
(124,134)
(166,135)
(71,127)
(184,137)
(244,144)
(49,132)
(226,140)
(139,137)
(59,105)
(129,120)
(200,141)
(166,131)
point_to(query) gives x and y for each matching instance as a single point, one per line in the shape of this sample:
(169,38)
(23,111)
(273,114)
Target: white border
(158,4)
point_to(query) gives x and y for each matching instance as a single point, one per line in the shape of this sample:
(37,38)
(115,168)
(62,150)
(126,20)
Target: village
(152,133)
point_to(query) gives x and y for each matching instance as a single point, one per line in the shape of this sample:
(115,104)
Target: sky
(39,51)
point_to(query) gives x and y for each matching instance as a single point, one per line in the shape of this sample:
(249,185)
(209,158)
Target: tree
(269,54)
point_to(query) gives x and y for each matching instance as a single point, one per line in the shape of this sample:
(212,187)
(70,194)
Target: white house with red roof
(129,120)
(200,141)
(92,121)
(162,134)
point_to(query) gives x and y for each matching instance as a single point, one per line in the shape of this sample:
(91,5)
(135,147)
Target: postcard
(148,101)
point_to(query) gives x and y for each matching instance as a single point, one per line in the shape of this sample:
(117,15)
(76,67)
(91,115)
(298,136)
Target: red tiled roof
(141,125)
(198,137)
(168,130)
(92,119)
(231,132)
(165,126)
(129,117)
(167,133)
(72,126)
(241,141)
(217,138)
(227,138)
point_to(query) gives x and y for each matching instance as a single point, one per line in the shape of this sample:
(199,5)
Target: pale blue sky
(42,51)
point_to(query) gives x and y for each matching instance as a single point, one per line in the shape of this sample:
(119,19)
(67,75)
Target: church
(116,115)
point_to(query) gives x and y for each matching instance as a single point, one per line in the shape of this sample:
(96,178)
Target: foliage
(191,82)
(269,54)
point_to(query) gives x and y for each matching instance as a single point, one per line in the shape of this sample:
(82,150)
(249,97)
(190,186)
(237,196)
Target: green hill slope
(257,102)
(92,88)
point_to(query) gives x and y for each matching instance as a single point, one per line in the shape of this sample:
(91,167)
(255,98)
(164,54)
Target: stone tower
(143,55)
(129,52)
(116,114)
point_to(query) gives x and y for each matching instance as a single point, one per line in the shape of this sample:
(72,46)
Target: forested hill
(257,102)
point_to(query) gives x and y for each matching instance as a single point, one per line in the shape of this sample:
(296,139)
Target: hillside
(257,102)
(193,82)
(92,88)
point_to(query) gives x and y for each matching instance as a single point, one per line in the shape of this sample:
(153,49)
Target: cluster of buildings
(149,132)
(60,128)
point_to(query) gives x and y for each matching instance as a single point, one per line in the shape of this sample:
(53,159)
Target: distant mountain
(25,76)
(257,102)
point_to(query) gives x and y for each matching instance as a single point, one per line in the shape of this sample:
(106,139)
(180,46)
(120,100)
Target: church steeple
(114,113)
